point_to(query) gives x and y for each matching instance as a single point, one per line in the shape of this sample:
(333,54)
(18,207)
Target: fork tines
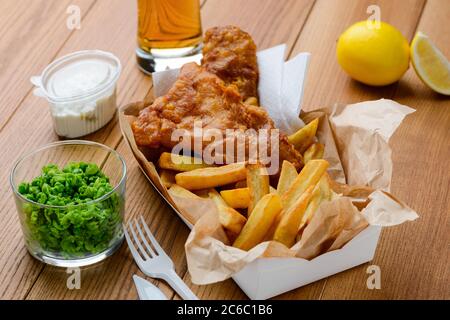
(143,239)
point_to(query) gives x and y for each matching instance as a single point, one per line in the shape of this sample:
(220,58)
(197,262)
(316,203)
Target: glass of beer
(169,33)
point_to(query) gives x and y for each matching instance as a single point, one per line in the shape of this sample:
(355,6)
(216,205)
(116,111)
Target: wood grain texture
(90,286)
(23,54)
(268,22)
(272,23)
(111,279)
(52,283)
(33,120)
(25,45)
(414,258)
(327,83)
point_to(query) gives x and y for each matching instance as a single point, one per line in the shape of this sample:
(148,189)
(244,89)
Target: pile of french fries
(250,209)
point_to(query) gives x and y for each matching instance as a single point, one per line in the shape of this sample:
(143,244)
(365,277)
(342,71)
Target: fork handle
(172,278)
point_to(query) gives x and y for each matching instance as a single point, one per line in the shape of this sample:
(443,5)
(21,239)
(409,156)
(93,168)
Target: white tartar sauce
(81,91)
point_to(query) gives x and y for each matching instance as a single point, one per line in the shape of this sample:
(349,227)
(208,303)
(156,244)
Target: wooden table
(414,257)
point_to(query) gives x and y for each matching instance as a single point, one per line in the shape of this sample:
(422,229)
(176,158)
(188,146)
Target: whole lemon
(371,55)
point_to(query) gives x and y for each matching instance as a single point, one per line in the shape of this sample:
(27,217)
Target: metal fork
(154,262)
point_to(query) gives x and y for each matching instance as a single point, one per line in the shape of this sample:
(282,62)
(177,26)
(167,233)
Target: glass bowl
(77,234)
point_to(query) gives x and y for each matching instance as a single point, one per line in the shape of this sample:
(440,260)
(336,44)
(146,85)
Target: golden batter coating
(230,53)
(200,96)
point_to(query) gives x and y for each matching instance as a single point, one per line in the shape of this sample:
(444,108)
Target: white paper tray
(267,277)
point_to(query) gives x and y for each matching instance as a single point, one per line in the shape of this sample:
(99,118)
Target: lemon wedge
(431,65)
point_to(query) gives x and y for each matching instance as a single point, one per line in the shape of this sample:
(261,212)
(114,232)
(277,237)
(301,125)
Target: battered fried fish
(230,53)
(200,96)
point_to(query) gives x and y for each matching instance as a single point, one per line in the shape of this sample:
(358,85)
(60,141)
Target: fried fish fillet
(200,96)
(230,53)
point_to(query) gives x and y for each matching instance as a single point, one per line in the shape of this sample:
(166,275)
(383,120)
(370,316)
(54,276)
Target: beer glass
(169,33)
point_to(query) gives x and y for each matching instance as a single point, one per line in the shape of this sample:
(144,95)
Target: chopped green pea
(82,227)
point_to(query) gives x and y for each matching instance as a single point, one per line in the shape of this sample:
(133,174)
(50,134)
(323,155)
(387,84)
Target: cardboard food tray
(264,277)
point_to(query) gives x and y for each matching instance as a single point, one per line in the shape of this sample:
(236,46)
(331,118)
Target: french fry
(230,219)
(304,137)
(167,177)
(287,177)
(176,190)
(236,198)
(322,192)
(177,162)
(324,186)
(206,178)
(252,101)
(287,229)
(309,176)
(315,151)
(313,205)
(259,222)
(257,184)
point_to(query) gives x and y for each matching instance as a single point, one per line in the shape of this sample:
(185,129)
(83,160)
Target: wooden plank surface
(420,148)
(25,44)
(212,14)
(286,20)
(111,279)
(328,84)
(23,53)
(33,121)
(414,258)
